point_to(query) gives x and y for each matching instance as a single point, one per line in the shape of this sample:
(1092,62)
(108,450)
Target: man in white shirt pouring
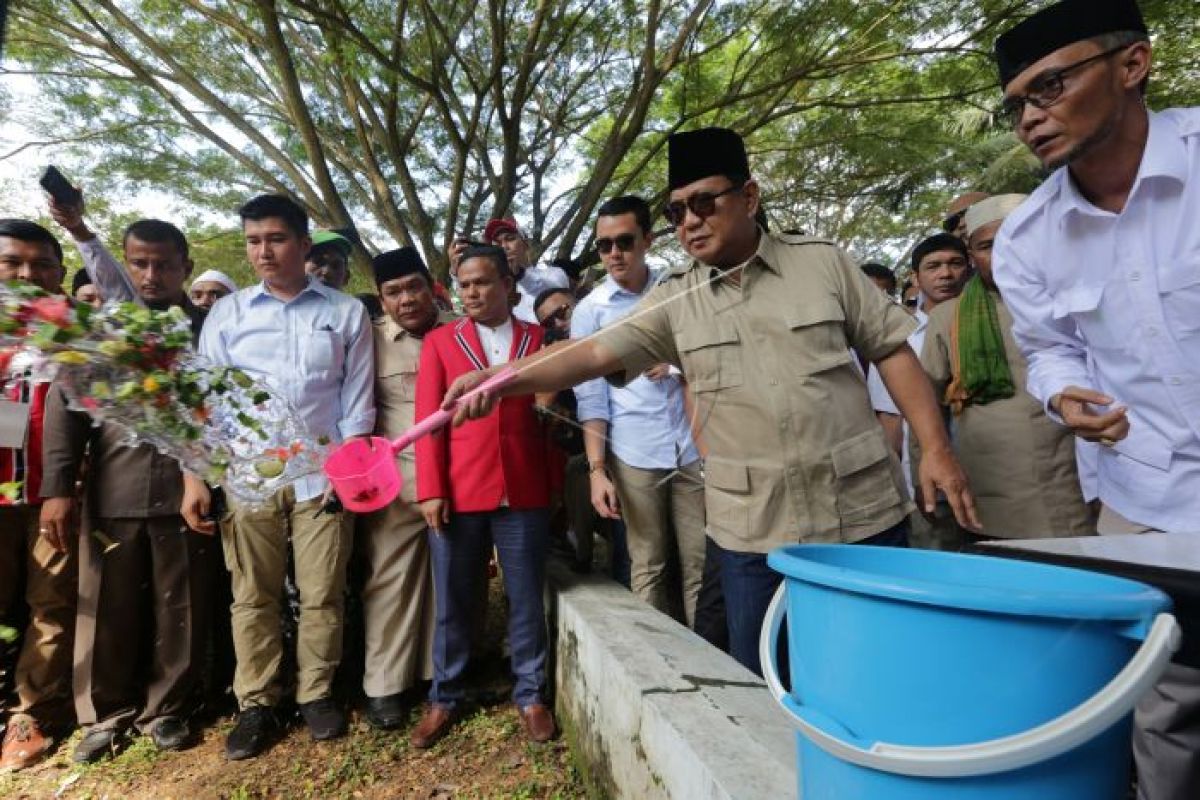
(1101,269)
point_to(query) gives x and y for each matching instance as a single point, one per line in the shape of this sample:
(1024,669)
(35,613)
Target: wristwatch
(596,466)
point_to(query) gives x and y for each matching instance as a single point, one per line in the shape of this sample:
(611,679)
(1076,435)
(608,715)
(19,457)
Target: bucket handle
(1075,727)
(440,417)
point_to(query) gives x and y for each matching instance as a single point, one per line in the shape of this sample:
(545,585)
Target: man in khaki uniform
(762,327)
(397,595)
(1021,464)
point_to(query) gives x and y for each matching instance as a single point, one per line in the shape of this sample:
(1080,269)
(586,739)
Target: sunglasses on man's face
(560,314)
(702,204)
(624,242)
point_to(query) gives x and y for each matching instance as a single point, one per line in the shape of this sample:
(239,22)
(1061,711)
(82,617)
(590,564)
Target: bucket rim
(1128,599)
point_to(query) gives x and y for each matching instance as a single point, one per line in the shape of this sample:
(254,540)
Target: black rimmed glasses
(624,242)
(702,204)
(1046,89)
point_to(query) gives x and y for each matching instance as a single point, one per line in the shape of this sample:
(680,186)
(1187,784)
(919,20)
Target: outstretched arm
(553,369)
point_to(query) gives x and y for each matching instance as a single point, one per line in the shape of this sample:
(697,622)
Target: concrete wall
(652,710)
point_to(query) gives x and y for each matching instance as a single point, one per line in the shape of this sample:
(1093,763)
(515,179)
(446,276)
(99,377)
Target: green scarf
(981,371)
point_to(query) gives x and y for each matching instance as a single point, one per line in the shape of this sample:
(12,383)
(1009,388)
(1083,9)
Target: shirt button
(1152,332)
(1135,276)
(1176,381)
(783,426)
(774,382)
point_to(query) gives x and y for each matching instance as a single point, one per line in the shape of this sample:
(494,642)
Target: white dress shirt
(316,350)
(647,423)
(497,342)
(881,399)
(1122,290)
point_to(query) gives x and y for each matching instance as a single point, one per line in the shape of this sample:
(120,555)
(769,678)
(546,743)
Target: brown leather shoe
(435,723)
(538,722)
(24,744)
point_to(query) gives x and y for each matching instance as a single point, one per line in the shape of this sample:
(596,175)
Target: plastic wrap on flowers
(136,368)
(218,422)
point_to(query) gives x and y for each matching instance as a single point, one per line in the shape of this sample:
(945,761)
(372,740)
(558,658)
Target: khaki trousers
(144,614)
(1166,722)
(663,511)
(397,598)
(255,541)
(43,669)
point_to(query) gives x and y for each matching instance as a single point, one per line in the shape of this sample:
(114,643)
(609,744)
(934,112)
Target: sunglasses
(911,302)
(1045,90)
(702,204)
(624,243)
(561,314)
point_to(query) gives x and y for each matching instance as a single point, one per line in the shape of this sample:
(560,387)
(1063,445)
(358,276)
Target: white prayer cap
(993,209)
(216,276)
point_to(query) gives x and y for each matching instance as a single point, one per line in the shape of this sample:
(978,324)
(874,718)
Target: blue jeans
(749,584)
(459,559)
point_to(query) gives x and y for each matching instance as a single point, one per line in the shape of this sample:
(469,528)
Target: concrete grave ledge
(655,712)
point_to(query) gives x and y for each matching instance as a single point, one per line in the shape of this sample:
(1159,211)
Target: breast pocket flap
(855,455)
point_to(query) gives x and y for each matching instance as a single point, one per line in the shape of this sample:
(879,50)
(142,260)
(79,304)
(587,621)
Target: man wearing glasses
(642,464)
(762,327)
(1101,270)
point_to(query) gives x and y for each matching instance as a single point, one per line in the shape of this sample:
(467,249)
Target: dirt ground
(486,755)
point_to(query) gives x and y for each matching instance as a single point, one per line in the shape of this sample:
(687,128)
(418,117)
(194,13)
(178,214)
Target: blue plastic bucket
(927,675)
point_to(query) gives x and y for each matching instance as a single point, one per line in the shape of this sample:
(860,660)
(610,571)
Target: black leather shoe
(95,745)
(386,713)
(253,732)
(171,733)
(326,720)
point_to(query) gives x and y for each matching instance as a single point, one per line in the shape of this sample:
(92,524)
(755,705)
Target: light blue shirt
(315,350)
(647,422)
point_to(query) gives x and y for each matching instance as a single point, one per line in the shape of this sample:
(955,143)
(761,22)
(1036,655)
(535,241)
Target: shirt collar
(610,287)
(259,290)
(1165,156)
(394,332)
(766,254)
(499,330)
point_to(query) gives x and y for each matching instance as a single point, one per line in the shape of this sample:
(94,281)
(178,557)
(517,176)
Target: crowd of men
(1038,378)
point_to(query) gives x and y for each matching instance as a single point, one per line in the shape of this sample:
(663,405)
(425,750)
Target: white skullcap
(216,276)
(993,209)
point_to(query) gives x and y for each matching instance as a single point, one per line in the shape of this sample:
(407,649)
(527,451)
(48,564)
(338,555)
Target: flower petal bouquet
(134,367)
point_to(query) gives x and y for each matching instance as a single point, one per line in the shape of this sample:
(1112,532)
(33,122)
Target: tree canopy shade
(411,121)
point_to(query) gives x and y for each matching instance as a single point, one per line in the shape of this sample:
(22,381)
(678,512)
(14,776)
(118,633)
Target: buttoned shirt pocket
(864,475)
(727,497)
(818,338)
(1179,285)
(711,357)
(324,353)
(1081,304)
(399,385)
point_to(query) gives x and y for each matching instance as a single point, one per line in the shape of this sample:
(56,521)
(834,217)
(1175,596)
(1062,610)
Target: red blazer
(505,454)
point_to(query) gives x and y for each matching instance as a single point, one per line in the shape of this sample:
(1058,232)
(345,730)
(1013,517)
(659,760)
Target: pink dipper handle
(441,416)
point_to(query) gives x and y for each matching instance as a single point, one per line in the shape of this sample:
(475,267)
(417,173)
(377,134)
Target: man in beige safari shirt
(397,594)
(762,327)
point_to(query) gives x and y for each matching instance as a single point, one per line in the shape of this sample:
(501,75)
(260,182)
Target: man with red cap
(1100,268)
(531,279)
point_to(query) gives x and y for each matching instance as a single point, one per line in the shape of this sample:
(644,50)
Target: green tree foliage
(413,121)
